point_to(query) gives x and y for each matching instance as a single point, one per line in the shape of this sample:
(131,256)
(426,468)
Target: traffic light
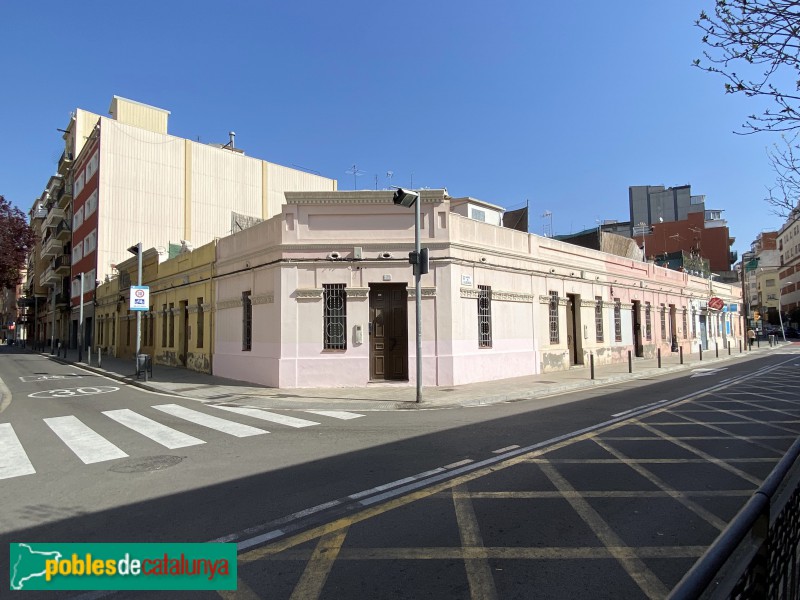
(420,261)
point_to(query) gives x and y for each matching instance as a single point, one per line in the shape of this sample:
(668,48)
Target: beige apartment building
(123,179)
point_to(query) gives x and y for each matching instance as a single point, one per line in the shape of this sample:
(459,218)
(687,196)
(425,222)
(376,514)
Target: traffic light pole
(418,298)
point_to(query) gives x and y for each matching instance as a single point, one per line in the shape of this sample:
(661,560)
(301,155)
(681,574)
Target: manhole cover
(147,463)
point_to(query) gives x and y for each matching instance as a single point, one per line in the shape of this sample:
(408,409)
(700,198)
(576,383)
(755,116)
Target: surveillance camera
(405,197)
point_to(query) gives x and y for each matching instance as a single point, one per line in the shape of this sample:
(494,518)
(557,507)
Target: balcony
(49,277)
(52,247)
(62,265)
(65,162)
(63,230)
(54,216)
(38,213)
(64,196)
(62,299)
(733,256)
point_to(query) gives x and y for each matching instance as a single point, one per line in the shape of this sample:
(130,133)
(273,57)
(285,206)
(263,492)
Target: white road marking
(257,413)
(506,449)
(87,444)
(460,463)
(13,459)
(335,414)
(161,434)
(223,425)
(625,412)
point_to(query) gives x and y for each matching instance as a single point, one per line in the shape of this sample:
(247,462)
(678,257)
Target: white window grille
(553,317)
(598,318)
(334,318)
(484,316)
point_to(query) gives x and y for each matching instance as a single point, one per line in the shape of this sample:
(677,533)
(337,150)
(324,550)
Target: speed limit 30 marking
(73,392)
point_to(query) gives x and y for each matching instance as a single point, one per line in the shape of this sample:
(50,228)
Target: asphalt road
(473,502)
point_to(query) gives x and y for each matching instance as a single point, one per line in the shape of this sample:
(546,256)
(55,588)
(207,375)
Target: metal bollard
(658,354)
(89,355)
(680,354)
(716,348)
(99,357)
(591,365)
(701,351)
(740,346)
(729,347)
(630,362)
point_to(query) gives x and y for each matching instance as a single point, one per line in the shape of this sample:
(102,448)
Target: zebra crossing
(91,447)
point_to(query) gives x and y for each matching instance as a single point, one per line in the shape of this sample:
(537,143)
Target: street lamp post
(137,250)
(407,198)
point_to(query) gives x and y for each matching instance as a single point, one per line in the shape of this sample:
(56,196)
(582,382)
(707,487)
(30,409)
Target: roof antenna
(389,175)
(355,172)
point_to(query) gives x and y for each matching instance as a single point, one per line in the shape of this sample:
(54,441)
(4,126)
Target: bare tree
(759,39)
(784,159)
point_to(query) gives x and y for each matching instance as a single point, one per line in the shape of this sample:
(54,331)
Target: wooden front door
(388,331)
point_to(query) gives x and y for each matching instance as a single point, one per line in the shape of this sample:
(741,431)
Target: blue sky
(502,101)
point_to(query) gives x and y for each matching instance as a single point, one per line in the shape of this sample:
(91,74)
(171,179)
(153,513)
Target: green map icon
(27,564)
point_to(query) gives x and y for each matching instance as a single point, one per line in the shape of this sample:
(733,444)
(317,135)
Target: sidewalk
(390,396)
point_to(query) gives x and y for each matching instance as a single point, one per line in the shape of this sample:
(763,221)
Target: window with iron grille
(648,322)
(553,314)
(484,316)
(163,325)
(598,318)
(685,326)
(247,322)
(663,322)
(128,330)
(694,325)
(171,325)
(617,321)
(335,316)
(200,322)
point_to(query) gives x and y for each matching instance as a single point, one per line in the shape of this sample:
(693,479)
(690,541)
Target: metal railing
(756,556)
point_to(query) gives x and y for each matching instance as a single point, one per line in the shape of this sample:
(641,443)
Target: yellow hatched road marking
(481,582)
(319,566)
(625,555)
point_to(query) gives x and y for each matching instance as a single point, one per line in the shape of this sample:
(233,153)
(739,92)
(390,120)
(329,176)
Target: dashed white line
(460,463)
(506,449)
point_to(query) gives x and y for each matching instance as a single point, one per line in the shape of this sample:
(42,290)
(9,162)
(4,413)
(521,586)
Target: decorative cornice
(191,309)
(175,311)
(511,296)
(263,299)
(426,292)
(590,303)
(231,303)
(207,306)
(468,293)
(544,299)
(563,301)
(626,305)
(357,293)
(308,294)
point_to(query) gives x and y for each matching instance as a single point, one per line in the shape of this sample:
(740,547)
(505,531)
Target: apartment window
(663,322)
(553,317)
(648,322)
(617,320)
(484,316)
(334,318)
(598,318)
(200,322)
(247,322)
(685,327)
(163,325)
(171,325)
